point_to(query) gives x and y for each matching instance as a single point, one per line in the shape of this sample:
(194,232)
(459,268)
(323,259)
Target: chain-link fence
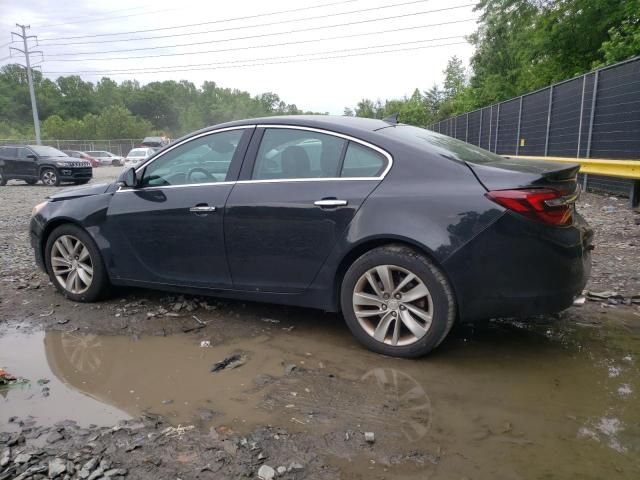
(120,146)
(595,115)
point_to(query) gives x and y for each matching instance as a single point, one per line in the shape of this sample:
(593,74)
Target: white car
(106,158)
(137,155)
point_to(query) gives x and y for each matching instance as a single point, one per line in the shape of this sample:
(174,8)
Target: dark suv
(37,162)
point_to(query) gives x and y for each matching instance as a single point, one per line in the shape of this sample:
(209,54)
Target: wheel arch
(369,244)
(51,226)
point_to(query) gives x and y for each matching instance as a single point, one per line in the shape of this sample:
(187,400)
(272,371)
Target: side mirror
(128,178)
(32,156)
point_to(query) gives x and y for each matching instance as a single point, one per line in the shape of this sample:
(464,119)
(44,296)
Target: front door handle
(202,209)
(330,202)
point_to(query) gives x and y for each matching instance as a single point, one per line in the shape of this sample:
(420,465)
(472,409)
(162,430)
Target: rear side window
(291,153)
(361,161)
(9,152)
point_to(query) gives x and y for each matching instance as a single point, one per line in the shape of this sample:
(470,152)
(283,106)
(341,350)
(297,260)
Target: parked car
(107,158)
(137,155)
(78,154)
(38,162)
(155,142)
(403,230)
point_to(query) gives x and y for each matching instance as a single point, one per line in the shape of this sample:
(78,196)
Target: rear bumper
(519,267)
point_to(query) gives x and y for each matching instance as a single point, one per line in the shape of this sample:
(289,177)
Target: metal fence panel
(533,127)
(508,127)
(565,119)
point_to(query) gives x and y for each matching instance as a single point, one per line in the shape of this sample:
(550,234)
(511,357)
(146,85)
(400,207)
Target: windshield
(448,147)
(43,151)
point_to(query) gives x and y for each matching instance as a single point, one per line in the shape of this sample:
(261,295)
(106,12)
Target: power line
(250,47)
(224,20)
(6,44)
(290,61)
(242,27)
(265,61)
(263,35)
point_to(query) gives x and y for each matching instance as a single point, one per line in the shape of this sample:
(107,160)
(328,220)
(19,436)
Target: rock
(54,437)
(97,473)
(115,472)
(57,467)
(88,467)
(281,470)
(230,362)
(295,466)
(369,437)
(22,458)
(266,473)
(5,458)
(288,370)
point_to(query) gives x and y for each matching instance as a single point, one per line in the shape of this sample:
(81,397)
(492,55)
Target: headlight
(61,164)
(37,208)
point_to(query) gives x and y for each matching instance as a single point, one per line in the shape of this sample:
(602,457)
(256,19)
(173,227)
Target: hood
(78,192)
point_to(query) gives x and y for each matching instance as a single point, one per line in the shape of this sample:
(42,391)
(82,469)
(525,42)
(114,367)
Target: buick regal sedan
(403,230)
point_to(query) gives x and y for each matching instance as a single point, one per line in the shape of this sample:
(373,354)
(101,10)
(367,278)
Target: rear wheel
(50,177)
(397,302)
(75,265)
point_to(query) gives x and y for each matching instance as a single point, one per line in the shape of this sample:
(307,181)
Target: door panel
(26,166)
(277,238)
(170,229)
(155,237)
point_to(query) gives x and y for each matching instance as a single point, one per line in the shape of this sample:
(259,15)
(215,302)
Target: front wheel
(50,177)
(397,302)
(75,265)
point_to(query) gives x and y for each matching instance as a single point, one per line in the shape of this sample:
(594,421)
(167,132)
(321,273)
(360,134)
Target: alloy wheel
(72,265)
(49,178)
(393,305)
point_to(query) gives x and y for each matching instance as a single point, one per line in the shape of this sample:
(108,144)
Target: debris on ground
(369,437)
(265,472)
(231,362)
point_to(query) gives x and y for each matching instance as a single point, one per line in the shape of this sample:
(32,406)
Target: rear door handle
(330,202)
(202,209)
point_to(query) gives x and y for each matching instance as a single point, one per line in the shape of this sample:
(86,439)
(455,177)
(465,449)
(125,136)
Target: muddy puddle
(505,400)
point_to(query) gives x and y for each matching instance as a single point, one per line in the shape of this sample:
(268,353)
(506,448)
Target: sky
(309,52)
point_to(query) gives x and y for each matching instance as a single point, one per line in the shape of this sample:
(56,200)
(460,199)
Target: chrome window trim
(384,153)
(380,177)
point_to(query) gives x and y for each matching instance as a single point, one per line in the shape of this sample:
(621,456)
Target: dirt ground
(125,388)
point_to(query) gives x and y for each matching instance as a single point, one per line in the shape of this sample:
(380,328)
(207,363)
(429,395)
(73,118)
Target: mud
(536,398)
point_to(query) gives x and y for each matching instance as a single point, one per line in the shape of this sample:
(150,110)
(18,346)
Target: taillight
(542,204)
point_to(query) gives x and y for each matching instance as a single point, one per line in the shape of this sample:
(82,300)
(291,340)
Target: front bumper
(35,236)
(519,267)
(71,174)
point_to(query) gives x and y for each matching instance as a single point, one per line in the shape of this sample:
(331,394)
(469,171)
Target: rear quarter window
(361,161)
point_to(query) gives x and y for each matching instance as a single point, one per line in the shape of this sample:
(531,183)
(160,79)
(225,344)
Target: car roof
(331,122)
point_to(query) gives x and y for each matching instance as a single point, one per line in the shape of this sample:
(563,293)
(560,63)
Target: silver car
(137,155)
(106,158)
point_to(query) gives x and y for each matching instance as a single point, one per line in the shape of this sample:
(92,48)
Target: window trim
(263,127)
(348,138)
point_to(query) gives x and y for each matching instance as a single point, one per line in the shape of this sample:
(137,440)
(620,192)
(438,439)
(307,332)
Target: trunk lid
(506,173)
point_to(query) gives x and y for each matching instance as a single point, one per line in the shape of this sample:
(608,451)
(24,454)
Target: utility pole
(32,93)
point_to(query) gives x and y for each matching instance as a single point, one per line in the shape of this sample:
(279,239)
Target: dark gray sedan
(403,230)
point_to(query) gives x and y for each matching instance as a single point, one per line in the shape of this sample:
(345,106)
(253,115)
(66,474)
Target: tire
(3,179)
(32,181)
(388,317)
(81,290)
(50,177)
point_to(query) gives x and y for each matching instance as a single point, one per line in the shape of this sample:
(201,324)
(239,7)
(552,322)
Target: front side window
(361,161)
(202,160)
(22,153)
(290,153)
